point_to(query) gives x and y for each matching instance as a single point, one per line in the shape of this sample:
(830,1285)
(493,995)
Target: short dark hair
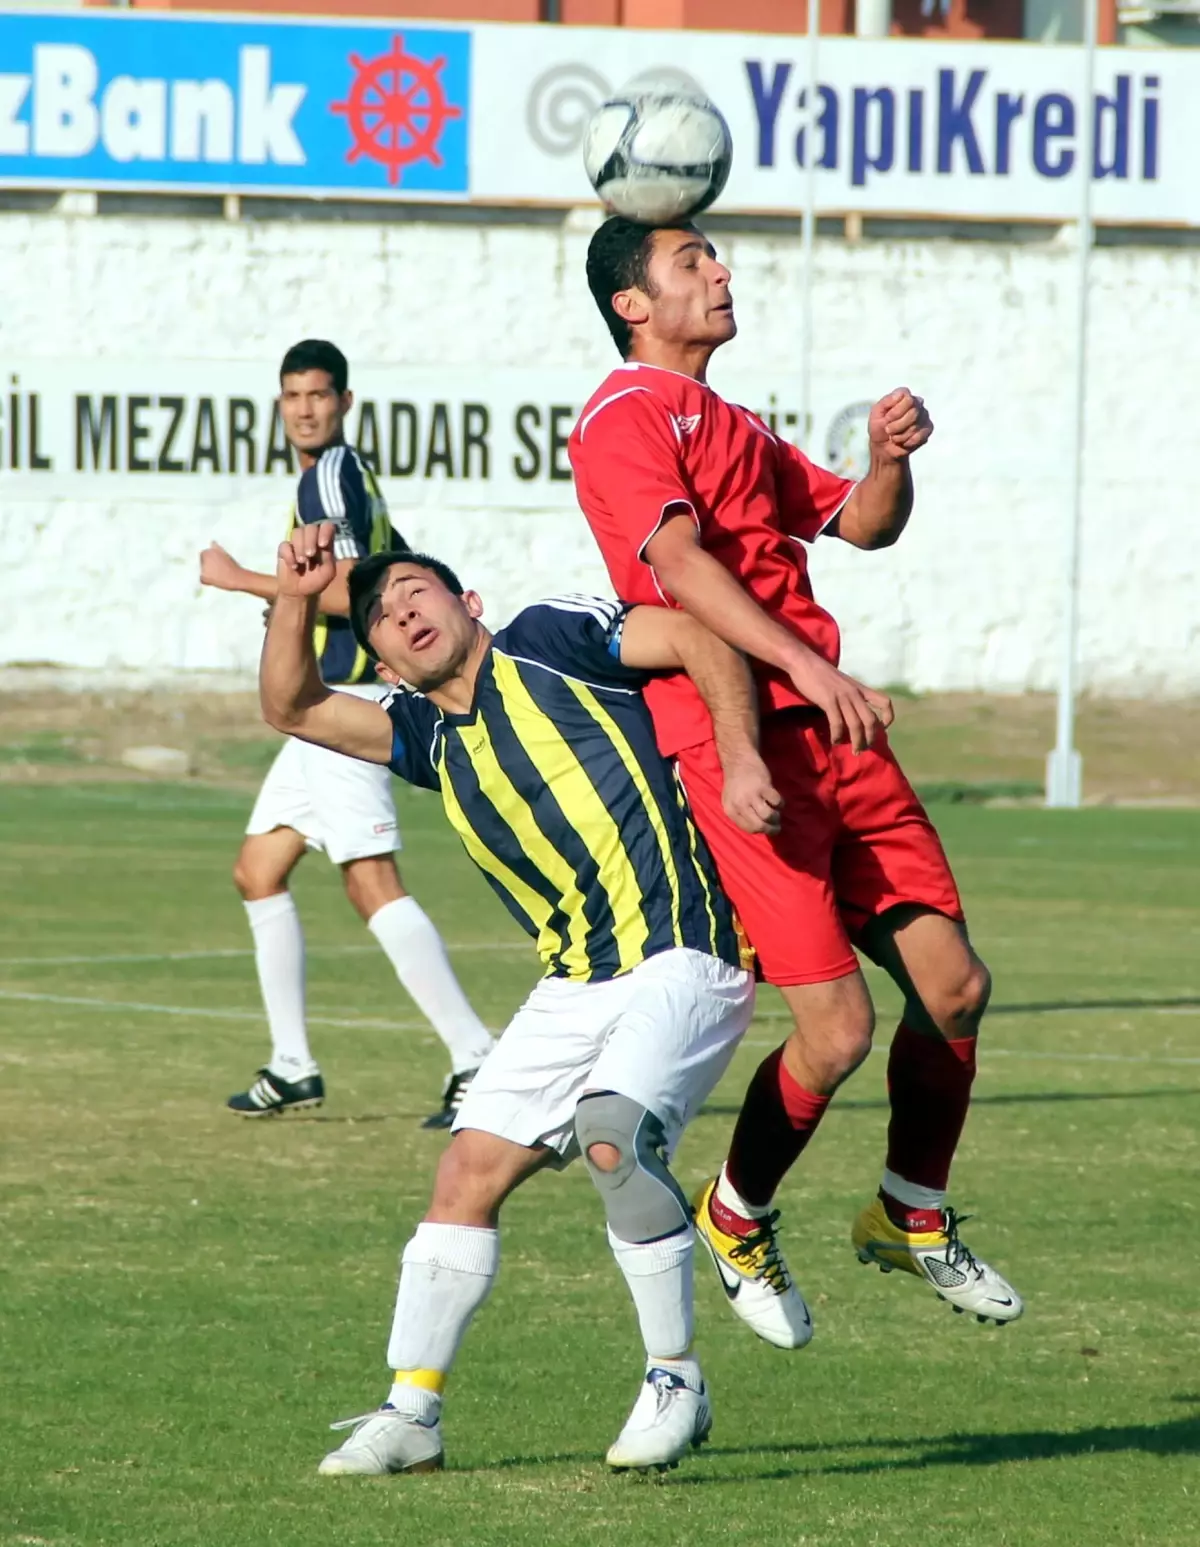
(368,575)
(317,354)
(618,259)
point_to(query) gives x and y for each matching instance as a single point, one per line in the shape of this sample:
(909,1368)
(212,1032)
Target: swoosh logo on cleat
(1001,1302)
(731,1290)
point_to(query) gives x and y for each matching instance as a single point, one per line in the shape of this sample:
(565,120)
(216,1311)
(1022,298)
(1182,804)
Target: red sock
(777,1120)
(929,1083)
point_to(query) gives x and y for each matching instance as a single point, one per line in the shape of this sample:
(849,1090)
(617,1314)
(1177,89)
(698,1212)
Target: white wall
(970,597)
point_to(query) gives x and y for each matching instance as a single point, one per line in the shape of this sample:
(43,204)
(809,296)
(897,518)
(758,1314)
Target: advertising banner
(494,114)
(985,130)
(209,431)
(216,105)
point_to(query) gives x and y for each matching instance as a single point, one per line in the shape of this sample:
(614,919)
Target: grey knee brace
(641,1197)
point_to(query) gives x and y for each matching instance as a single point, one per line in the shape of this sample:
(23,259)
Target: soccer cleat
(941,1259)
(669,1418)
(271,1094)
(453,1091)
(384,1442)
(755,1277)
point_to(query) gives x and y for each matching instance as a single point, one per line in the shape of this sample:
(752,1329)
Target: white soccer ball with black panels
(657,153)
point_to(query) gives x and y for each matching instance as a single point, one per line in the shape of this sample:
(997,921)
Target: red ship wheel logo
(396,109)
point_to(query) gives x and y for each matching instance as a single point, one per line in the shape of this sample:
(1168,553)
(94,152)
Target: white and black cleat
(271,1095)
(671,1416)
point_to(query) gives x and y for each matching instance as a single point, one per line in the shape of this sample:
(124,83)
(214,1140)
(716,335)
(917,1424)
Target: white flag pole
(1064,765)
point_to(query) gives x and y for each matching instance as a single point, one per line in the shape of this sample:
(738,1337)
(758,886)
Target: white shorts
(336,803)
(662,1035)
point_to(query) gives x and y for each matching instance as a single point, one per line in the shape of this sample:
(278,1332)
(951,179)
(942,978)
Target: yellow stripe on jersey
(626,753)
(550,753)
(693,837)
(516,811)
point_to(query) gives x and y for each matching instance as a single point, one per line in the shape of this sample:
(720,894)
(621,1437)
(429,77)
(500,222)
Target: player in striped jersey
(544,753)
(313,799)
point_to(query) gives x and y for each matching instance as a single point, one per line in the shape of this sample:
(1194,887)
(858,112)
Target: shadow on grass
(1027,1098)
(1177,1437)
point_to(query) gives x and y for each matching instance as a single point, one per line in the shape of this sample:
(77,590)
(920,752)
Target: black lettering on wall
(14,428)
(205,446)
(527,466)
(368,435)
(439,449)
(402,450)
(136,431)
(243,416)
(279,450)
(167,463)
(560,467)
(95,425)
(37,461)
(476,426)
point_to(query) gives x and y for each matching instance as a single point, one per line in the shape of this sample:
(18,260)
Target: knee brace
(642,1199)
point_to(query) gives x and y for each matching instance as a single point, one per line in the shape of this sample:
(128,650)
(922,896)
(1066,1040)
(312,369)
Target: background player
(314,799)
(542,748)
(695,502)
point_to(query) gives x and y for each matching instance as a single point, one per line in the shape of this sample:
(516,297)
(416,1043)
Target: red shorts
(855,842)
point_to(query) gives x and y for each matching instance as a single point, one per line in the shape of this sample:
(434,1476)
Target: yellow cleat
(940,1258)
(755,1276)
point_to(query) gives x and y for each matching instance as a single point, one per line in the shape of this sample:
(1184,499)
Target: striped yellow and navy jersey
(341,488)
(557,790)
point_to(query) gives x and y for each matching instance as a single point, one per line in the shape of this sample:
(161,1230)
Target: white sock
(911,1194)
(688,1367)
(446,1273)
(659,1275)
(732,1199)
(279,957)
(414,948)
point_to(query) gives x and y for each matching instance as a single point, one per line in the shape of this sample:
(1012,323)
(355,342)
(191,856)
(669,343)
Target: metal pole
(808,228)
(1064,765)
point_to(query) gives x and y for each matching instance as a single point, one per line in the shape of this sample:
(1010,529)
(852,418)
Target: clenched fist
(898,425)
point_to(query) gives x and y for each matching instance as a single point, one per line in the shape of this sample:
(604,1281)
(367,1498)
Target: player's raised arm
(878,509)
(655,639)
(294,699)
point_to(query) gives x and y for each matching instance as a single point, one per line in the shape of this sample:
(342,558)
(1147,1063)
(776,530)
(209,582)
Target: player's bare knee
(254,881)
(623,1144)
(607,1156)
(957,1008)
(464,1186)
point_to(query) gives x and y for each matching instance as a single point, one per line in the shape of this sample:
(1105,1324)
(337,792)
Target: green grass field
(186,1301)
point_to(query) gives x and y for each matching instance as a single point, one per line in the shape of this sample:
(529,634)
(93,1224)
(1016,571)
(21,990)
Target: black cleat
(453,1091)
(271,1094)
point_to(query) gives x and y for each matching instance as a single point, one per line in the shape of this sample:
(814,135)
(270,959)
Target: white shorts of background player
(335,803)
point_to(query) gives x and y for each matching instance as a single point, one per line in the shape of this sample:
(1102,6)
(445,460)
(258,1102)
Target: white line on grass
(237,951)
(138,1006)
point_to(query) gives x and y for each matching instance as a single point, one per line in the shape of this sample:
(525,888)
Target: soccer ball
(657,152)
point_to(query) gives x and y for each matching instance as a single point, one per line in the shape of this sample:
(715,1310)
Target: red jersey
(652,443)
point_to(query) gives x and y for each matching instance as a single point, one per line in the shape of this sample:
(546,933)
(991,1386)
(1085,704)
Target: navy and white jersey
(341,488)
(555,785)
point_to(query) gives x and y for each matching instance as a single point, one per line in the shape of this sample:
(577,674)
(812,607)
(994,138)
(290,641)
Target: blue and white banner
(234,106)
(985,130)
(495,114)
